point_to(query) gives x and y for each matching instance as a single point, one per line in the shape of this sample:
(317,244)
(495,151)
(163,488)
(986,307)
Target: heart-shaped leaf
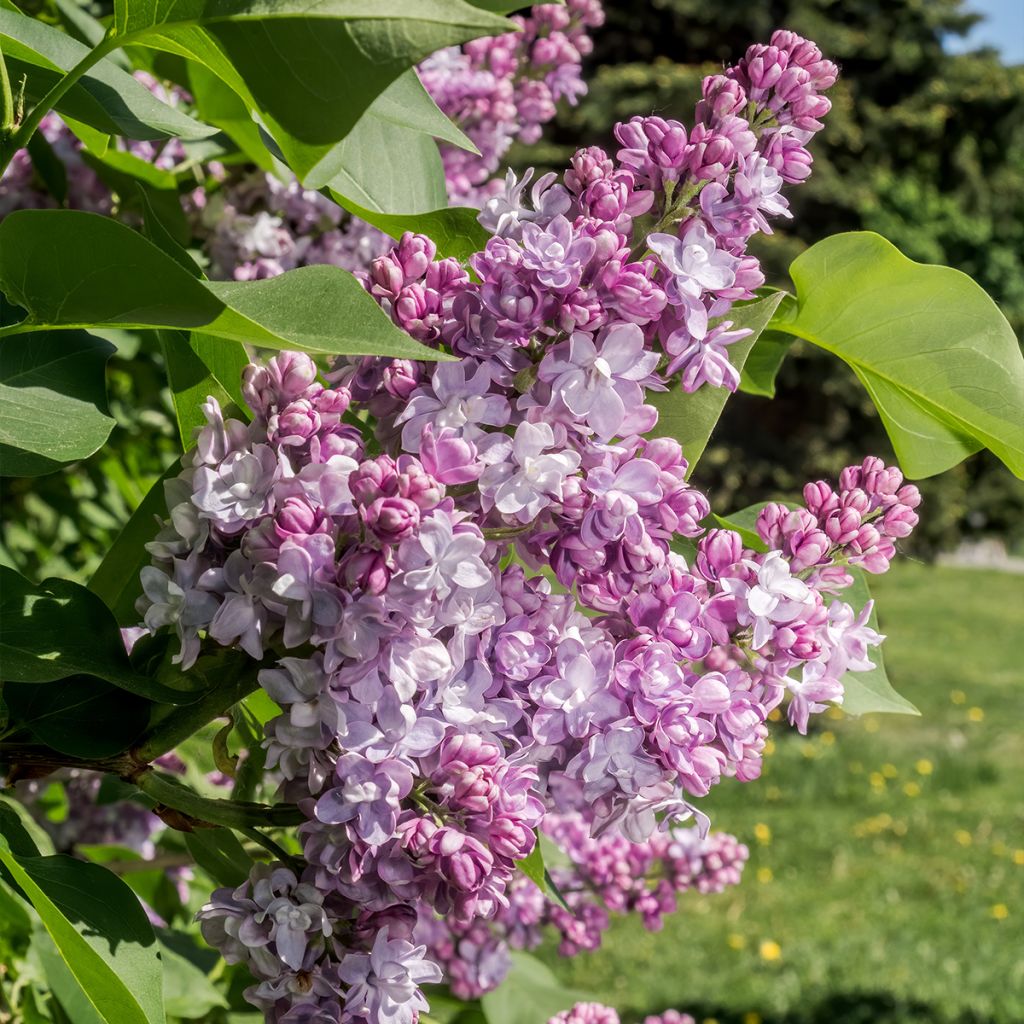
(935,354)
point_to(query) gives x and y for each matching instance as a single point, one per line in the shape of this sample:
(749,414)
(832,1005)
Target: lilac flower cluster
(506,88)
(496,90)
(474,567)
(601,875)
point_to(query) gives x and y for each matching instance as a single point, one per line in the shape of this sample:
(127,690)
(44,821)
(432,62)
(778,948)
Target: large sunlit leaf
(56,378)
(309,69)
(74,269)
(100,930)
(106,98)
(935,354)
(690,419)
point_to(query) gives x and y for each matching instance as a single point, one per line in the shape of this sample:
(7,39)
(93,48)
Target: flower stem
(229,813)
(19,138)
(6,102)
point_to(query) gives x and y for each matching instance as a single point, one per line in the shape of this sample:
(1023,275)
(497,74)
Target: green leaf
(116,579)
(26,837)
(217,103)
(106,98)
(403,110)
(142,188)
(219,853)
(56,379)
(937,357)
(866,692)
(455,230)
(58,628)
(765,360)
(81,716)
(533,867)
(310,71)
(87,29)
(690,419)
(188,991)
(100,931)
(49,167)
(387,169)
(744,523)
(530,994)
(70,269)
(192,381)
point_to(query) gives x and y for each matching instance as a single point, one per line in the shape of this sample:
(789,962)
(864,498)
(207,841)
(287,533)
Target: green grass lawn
(886,877)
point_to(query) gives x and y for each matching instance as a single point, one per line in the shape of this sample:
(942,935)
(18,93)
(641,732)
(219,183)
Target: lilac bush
(498,90)
(505,613)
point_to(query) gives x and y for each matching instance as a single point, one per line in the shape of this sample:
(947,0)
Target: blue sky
(1002,28)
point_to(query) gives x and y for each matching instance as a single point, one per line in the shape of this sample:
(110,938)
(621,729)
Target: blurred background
(886,879)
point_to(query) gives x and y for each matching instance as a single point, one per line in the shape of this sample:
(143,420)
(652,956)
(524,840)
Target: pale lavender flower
(529,475)
(598,381)
(384,984)
(456,401)
(366,797)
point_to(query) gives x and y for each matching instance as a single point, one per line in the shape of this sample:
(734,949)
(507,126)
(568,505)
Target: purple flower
(456,401)
(578,698)
(384,983)
(774,596)
(239,489)
(615,762)
(528,476)
(366,797)
(556,254)
(703,359)
(598,381)
(176,600)
(694,263)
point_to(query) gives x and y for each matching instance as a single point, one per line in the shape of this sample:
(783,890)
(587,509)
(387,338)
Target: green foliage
(861,299)
(100,931)
(309,73)
(106,98)
(58,629)
(107,274)
(58,379)
(690,419)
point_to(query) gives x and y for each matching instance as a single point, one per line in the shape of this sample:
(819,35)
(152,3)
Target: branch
(27,128)
(234,814)
(185,721)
